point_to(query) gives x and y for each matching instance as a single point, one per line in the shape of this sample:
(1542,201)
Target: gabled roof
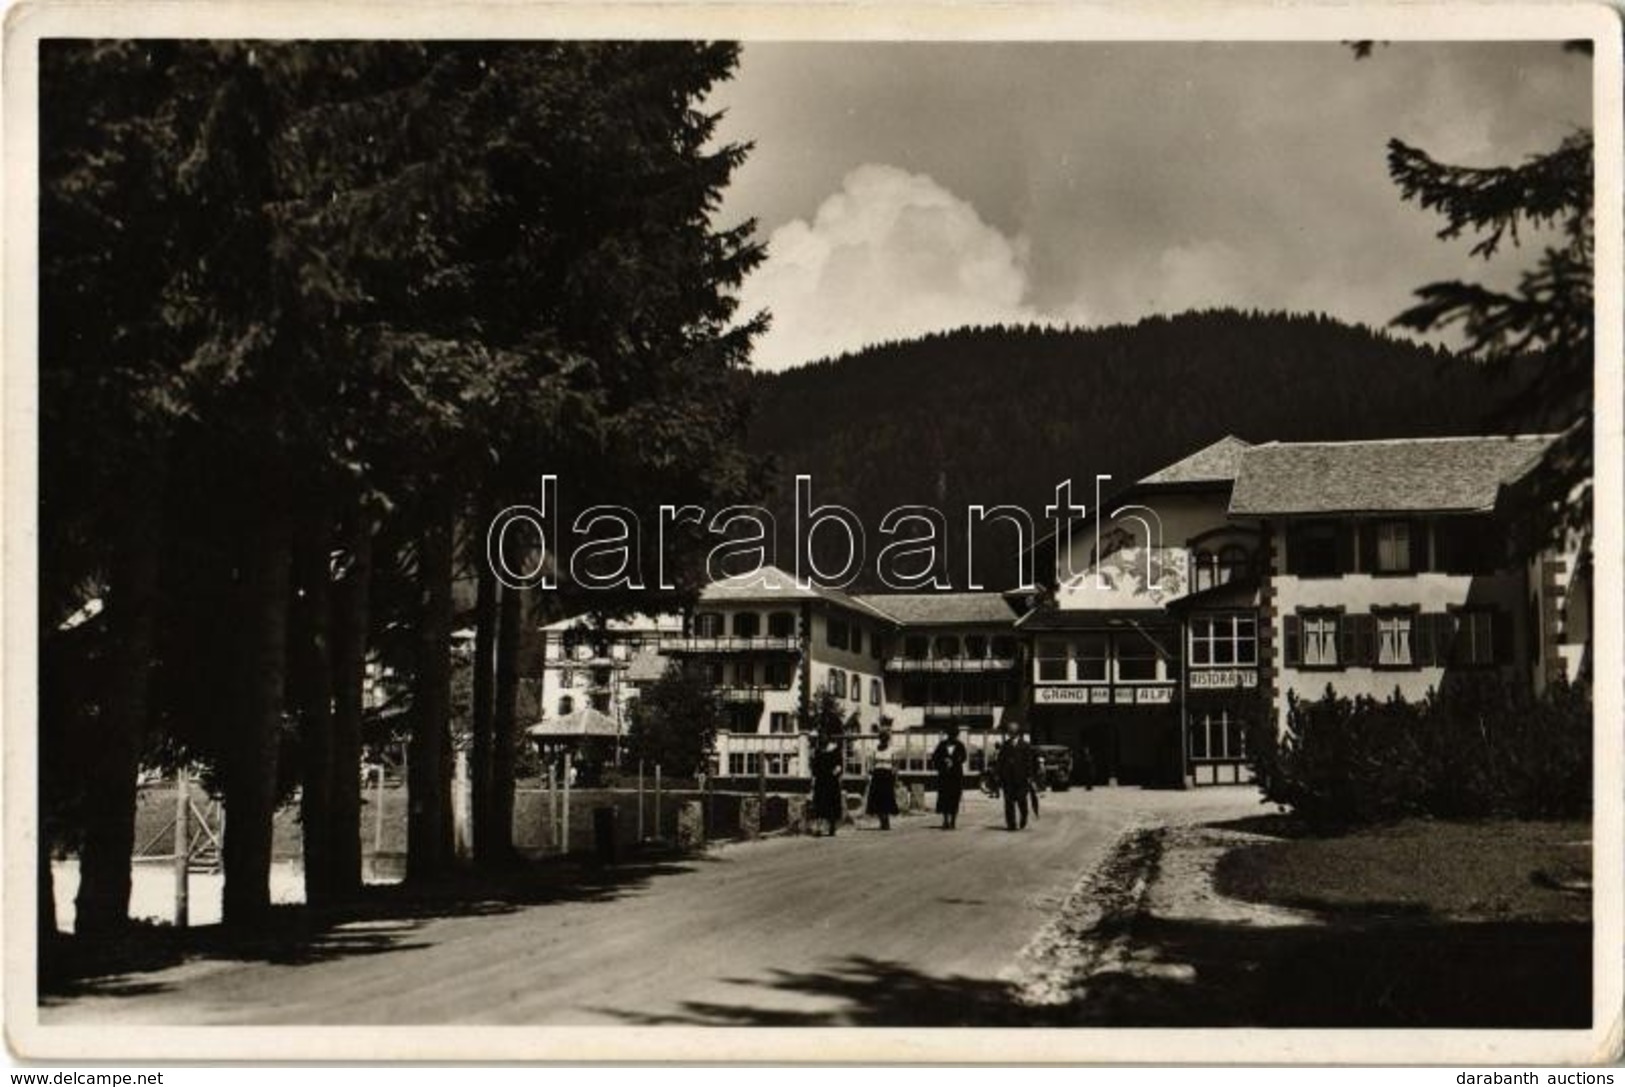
(663,623)
(1216,463)
(769,584)
(961,609)
(1398,475)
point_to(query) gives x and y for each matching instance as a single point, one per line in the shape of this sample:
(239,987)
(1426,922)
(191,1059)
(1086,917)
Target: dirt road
(914,925)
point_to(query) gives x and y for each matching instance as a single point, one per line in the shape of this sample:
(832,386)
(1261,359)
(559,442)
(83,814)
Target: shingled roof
(943,608)
(1216,463)
(1403,475)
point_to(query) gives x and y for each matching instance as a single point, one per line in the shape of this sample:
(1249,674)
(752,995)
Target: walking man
(1014,770)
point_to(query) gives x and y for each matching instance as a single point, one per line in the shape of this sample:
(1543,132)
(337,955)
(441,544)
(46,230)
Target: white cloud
(892,255)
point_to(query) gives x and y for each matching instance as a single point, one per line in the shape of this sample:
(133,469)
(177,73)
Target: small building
(768,645)
(590,662)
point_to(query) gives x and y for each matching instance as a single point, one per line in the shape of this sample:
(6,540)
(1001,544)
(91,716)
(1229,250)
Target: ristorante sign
(1222,679)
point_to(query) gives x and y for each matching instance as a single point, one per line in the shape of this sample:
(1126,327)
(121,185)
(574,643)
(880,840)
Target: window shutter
(1422,640)
(1419,547)
(1366,534)
(1292,641)
(1500,636)
(1345,546)
(1357,640)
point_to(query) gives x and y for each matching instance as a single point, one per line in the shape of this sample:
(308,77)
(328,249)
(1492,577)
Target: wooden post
(378,818)
(657,800)
(640,800)
(183,847)
(564,833)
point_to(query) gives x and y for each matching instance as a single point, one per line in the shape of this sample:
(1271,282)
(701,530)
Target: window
(1220,735)
(1394,639)
(777,675)
(947,646)
(744,673)
(782,624)
(567,705)
(747,624)
(779,722)
(975,647)
(855,691)
(857,640)
(837,634)
(1234,561)
(713,673)
(916,647)
(567,678)
(1224,640)
(1205,569)
(874,692)
(1393,547)
(1320,640)
(1313,550)
(1136,658)
(708,624)
(600,702)
(1474,642)
(1052,661)
(1089,653)
(1004,647)
(836,683)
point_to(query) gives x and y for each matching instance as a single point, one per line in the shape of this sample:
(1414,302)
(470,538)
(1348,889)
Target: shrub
(1477,747)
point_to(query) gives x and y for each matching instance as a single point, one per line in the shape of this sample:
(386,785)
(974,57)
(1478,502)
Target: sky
(904,188)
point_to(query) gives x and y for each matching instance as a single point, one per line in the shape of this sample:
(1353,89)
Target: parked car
(1057,765)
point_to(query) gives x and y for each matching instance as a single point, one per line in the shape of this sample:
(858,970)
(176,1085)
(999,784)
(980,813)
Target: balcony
(940,710)
(767,643)
(950,664)
(745,694)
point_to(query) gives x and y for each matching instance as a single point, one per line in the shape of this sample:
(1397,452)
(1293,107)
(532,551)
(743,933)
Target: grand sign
(1221,679)
(1122,696)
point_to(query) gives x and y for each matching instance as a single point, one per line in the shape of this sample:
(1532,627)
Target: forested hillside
(1002,415)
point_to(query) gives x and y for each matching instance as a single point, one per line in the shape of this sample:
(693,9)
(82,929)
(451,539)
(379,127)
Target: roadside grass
(1500,870)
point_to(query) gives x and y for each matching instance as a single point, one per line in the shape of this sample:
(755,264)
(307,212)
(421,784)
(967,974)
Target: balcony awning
(580,723)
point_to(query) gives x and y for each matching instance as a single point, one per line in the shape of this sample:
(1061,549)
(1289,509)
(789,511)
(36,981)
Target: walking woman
(827,802)
(948,760)
(883,780)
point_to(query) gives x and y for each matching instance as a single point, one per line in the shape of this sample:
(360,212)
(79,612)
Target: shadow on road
(872,992)
(1397,975)
(386,918)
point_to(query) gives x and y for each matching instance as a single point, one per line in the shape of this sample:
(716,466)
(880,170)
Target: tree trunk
(113,759)
(45,920)
(250,760)
(351,601)
(505,724)
(484,694)
(312,665)
(429,827)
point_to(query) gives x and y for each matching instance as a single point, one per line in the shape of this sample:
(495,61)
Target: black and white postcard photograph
(1018,533)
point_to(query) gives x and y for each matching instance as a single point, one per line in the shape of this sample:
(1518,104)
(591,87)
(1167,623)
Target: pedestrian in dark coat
(828,804)
(1014,770)
(948,760)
